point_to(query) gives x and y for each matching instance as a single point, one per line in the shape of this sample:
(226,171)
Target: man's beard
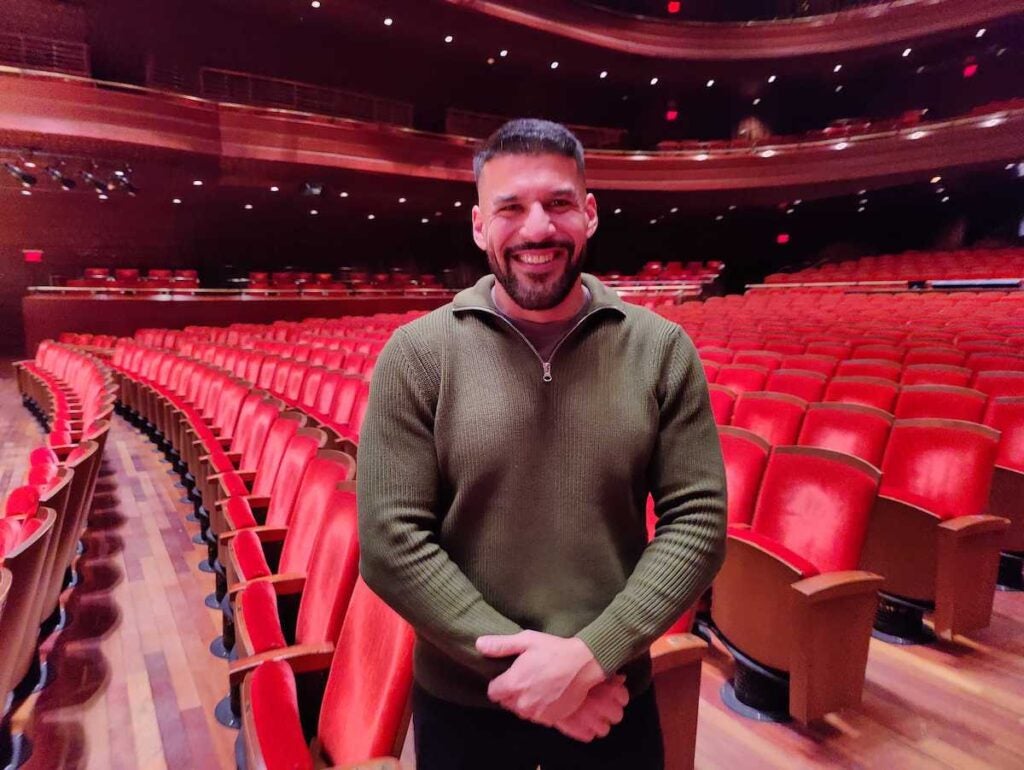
(542,294)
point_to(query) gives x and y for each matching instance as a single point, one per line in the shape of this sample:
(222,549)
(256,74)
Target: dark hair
(529,136)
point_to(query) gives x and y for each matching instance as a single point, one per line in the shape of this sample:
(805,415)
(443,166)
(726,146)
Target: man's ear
(478,229)
(590,209)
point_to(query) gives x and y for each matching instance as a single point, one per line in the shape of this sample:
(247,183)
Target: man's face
(533,219)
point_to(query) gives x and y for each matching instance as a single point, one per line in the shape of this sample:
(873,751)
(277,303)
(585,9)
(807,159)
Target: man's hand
(602,708)
(549,679)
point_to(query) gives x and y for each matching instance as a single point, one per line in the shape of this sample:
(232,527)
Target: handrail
(291,291)
(999,283)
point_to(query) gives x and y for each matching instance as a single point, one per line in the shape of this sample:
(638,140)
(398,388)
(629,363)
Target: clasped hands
(555,682)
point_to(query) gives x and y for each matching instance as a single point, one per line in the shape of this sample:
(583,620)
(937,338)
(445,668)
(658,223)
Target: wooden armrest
(384,763)
(284,585)
(676,650)
(837,585)
(677,663)
(967,526)
(966,564)
(264,533)
(233,457)
(302,658)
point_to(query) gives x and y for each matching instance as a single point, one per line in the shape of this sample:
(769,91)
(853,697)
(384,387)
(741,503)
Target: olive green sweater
(497,493)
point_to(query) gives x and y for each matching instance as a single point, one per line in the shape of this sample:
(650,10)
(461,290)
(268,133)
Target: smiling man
(510,444)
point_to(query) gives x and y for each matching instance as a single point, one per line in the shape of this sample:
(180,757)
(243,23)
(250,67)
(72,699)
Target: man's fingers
(503,646)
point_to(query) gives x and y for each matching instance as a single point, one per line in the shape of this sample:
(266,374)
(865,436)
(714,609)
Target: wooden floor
(135,686)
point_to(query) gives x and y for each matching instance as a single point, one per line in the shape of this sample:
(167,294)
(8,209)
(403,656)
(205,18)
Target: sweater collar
(478,296)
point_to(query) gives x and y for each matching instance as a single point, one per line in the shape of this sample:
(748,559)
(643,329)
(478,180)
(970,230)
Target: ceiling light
(448,38)
(945,199)
(457,204)
(313,212)
(603,75)
(757,101)
(370,216)
(720,217)
(343,195)
(29,164)
(732,207)
(57,175)
(771,78)
(119,172)
(862,192)
(26,192)
(424,220)
(26,179)
(860,210)
(617,211)
(103,196)
(837,68)
(490,60)
(503,53)
(840,145)
(674,209)
(863,201)
(274,188)
(401,200)
(993,122)
(388,21)
(197,183)
(906,52)
(248,207)
(768,153)
(980,32)
(701,156)
(654,221)
(315,3)
(1009,166)
(839,88)
(554,65)
(798,201)
(936,179)
(437,213)
(919,135)
(940,190)
(711,82)
(176,201)
(790,211)
(654,81)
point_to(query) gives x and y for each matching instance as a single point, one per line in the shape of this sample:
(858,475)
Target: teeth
(536,259)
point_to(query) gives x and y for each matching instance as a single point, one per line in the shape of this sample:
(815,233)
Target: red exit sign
(33,255)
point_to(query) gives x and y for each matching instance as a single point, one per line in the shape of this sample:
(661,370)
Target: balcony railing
(41,53)
(480,125)
(244,88)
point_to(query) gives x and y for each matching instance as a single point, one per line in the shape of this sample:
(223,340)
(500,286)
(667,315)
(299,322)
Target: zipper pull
(547,371)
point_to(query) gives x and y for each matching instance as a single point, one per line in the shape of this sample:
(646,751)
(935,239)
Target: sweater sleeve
(398,496)
(687,480)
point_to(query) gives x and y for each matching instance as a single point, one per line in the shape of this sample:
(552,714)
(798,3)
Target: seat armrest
(263,532)
(302,658)
(284,585)
(966,566)
(384,763)
(676,663)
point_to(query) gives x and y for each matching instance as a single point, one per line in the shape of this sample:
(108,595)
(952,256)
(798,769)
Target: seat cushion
(275,714)
(258,605)
(249,556)
(232,483)
(238,513)
(23,501)
(792,558)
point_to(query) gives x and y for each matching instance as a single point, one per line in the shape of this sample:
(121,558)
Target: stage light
(720,217)
(617,211)
(554,65)
(388,21)
(936,179)
(343,195)
(839,88)
(176,201)
(906,52)
(424,220)
(771,78)
(654,81)
(370,217)
(448,38)
(981,32)
(197,183)
(674,210)
(603,75)
(945,199)
(248,207)
(756,101)
(26,179)
(401,200)
(503,53)
(313,212)
(711,82)
(837,68)
(274,188)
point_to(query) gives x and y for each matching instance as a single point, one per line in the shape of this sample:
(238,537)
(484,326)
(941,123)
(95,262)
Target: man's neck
(563,311)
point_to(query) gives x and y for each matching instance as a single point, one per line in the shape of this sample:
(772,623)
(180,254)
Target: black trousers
(453,737)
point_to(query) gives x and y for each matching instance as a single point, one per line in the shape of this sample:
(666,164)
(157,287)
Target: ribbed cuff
(610,642)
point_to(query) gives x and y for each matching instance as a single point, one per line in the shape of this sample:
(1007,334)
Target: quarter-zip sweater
(498,492)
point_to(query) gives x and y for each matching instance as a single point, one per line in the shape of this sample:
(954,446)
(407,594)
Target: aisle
(134,685)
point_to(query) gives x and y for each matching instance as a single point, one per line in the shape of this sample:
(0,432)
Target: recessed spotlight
(315,3)
(940,190)
(839,88)
(554,65)
(863,201)
(176,201)
(437,213)
(503,53)
(388,21)
(617,211)
(32,164)
(424,220)
(654,221)
(654,81)
(103,197)
(993,122)
(248,207)
(862,192)
(274,188)
(936,179)
(980,32)
(457,204)
(945,199)
(490,60)
(906,52)
(448,38)
(701,156)
(840,145)
(603,75)
(837,68)
(790,211)
(860,210)
(720,217)
(757,101)
(370,216)
(197,183)
(711,82)
(918,135)
(401,200)
(768,154)
(674,209)
(343,195)
(732,207)
(771,78)
(313,212)
(26,192)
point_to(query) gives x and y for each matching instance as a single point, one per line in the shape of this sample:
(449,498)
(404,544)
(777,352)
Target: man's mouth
(538,257)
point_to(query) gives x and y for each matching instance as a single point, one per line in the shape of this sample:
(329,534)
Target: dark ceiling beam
(858,29)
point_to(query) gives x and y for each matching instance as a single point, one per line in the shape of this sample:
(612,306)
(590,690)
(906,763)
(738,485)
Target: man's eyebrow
(506,198)
(565,192)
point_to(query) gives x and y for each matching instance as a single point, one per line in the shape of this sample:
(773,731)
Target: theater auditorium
(511,384)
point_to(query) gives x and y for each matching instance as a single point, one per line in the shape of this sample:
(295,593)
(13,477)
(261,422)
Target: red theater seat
(996,383)
(1006,414)
(810,386)
(941,401)
(825,365)
(765,358)
(745,455)
(990,362)
(720,355)
(742,377)
(947,356)
(722,402)
(929,535)
(868,391)
(790,596)
(935,374)
(775,417)
(870,367)
(854,429)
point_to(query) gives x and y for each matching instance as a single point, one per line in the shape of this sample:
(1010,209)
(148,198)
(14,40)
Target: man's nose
(537,225)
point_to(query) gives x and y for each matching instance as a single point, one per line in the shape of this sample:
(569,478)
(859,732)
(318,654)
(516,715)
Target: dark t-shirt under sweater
(545,336)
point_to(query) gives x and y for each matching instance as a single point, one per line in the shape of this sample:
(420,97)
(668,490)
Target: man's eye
(560,203)
(509,208)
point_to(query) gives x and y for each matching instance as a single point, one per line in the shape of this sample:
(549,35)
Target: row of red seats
(132,278)
(914,266)
(349,279)
(267,522)
(42,521)
(105,341)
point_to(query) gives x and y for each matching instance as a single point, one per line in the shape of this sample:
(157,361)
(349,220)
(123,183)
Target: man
(511,440)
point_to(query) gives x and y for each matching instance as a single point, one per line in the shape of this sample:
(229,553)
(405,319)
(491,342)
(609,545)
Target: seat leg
(757,693)
(900,622)
(1011,572)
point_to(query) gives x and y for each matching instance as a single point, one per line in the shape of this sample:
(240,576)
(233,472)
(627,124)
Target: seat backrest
(838,350)
(311,388)
(268,370)
(723,400)
(943,401)
(281,376)
(998,383)
(254,433)
(869,391)
(989,362)
(364,709)
(714,353)
(811,362)
(742,377)
(870,367)
(300,451)
(854,429)
(710,370)
(943,466)
(229,406)
(775,417)
(878,352)
(796,382)
(745,455)
(324,492)
(935,374)
(817,503)
(345,400)
(1006,414)
(934,355)
(285,426)
(330,578)
(765,358)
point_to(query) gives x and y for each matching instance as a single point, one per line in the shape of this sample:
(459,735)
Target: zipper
(544,365)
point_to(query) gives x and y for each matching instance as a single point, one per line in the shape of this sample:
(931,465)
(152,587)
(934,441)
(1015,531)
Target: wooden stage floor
(135,686)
